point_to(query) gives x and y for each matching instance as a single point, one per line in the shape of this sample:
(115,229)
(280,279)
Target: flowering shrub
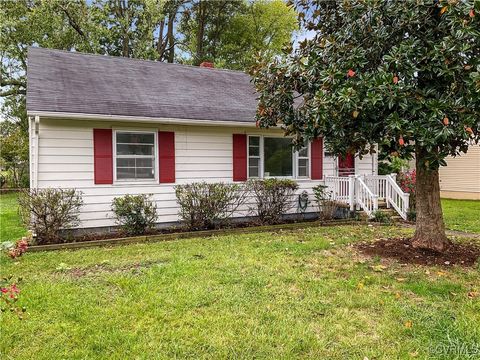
(18,248)
(9,296)
(407,182)
(136,214)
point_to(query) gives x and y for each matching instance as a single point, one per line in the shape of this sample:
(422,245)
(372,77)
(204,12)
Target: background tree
(402,74)
(13,155)
(263,26)
(230,33)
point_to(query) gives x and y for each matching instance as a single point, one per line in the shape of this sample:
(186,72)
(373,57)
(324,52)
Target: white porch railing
(365,198)
(365,190)
(339,187)
(395,197)
(377,184)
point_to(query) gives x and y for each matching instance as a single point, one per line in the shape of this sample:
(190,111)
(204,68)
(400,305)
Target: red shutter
(102,156)
(239,157)
(316,151)
(166,156)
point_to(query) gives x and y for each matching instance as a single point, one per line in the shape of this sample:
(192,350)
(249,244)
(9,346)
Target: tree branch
(14,91)
(72,22)
(12,82)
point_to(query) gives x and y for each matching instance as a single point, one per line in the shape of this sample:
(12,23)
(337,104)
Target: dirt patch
(402,250)
(134,268)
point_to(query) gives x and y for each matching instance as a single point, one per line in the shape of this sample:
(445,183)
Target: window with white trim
(135,154)
(254,156)
(274,157)
(303,163)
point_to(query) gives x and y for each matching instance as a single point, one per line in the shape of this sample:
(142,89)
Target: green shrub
(48,211)
(136,214)
(411,215)
(381,217)
(272,198)
(207,205)
(327,207)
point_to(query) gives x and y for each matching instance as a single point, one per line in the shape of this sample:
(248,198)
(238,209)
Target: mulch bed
(402,250)
(171,230)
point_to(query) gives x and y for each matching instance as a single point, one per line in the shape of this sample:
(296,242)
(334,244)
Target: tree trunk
(430,229)
(170,37)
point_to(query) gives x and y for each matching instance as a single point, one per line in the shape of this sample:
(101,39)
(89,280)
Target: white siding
(202,153)
(461,177)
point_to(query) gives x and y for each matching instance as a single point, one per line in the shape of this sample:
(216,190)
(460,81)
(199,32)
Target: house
(460,179)
(110,126)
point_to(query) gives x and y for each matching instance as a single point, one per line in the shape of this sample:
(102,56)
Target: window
(254,156)
(303,163)
(274,157)
(277,157)
(135,155)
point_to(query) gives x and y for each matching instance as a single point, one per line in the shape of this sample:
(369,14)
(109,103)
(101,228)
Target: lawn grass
(11,227)
(289,294)
(462,215)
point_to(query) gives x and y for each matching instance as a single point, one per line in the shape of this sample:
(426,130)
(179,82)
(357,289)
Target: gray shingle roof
(60,81)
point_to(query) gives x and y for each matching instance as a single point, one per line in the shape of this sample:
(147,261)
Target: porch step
(382,204)
(391,213)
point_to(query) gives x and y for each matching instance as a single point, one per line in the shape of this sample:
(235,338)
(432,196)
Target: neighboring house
(460,179)
(110,126)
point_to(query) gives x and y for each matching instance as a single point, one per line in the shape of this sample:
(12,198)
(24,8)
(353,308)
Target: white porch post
(351,192)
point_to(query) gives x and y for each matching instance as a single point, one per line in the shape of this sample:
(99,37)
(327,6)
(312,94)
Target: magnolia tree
(404,75)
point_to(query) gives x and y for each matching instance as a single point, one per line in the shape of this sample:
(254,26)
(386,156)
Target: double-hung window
(303,162)
(274,157)
(135,155)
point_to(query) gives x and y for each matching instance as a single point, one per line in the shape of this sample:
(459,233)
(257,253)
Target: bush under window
(49,211)
(271,198)
(208,205)
(136,214)
(327,207)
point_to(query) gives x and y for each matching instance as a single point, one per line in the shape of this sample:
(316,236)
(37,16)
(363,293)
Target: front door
(346,165)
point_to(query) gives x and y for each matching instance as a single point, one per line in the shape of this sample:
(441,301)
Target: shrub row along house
(110,126)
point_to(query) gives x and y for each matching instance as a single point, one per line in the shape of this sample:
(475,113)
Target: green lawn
(11,228)
(463,215)
(298,294)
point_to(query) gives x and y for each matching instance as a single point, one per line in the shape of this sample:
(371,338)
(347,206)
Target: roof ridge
(136,59)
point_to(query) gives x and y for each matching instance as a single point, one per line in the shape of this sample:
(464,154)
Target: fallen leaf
(400,279)
(409,324)
(397,295)
(443,9)
(360,286)
(472,294)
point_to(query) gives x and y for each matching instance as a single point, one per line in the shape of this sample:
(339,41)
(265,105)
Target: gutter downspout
(36,131)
